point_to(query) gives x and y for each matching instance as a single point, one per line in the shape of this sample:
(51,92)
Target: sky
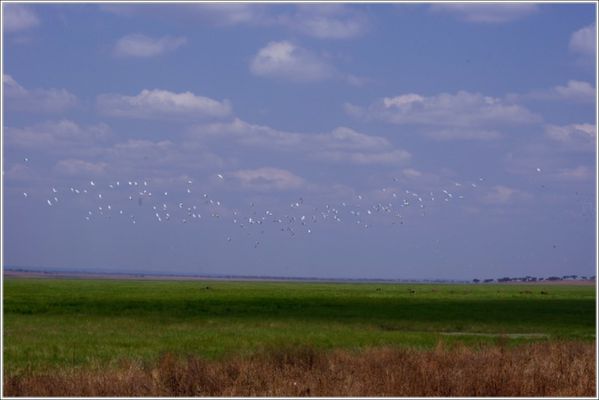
(395,141)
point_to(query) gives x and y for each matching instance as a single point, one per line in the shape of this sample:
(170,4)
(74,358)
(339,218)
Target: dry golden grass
(540,369)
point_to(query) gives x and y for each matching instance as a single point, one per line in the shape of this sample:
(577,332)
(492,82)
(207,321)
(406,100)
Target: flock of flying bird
(132,199)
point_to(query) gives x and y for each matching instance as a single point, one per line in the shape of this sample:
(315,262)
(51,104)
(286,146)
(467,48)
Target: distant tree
(554,278)
(504,279)
(488,280)
(475,280)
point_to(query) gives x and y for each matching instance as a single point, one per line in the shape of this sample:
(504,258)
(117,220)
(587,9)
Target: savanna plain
(85,337)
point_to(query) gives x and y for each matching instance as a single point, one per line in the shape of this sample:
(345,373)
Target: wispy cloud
(76,167)
(285,60)
(321,21)
(215,14)
(584,41)
(411,173)
(327,21)
(18,17)
(229,14)
(57,136)
(487,13)
(576,90)
(573,90)
(574,136)
(459,116)
(579,173)
(158,158)
(342,144)
(392,157)
(500,194)
(36,100)
(20,172)
(156,104)
(267,178)
(137,45)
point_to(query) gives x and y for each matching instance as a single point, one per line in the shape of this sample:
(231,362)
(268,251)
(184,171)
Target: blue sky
(451,141)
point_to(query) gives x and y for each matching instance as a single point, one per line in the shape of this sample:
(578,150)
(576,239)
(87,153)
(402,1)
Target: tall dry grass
(541,369)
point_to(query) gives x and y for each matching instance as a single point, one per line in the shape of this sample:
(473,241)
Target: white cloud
(267,179)
(463,115)
(219,14)
(156,103)
(12,88)
(577,90)
(500,194)
(358,81)
(137,45)
(160,158)
(18,17)
(574,136)
(230,14)
(139,148)
(342,144)
(36,100)
(85,151)
(20,172)
(63,135)
(411,173)
(573,90)
(584,41)
(343,138)
(462,134)
(223,14)
(327,21)
(322,21)
(284,60)
(579,173)
(345,144)
(248,134)
(487,13)
(382,158)
(81,168)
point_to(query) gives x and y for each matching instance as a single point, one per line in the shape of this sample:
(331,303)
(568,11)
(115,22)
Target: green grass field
(72,323)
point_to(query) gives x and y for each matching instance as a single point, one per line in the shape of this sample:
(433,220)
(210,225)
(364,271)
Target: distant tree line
(529,278)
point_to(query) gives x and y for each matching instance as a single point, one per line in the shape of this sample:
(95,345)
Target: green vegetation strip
(72,323)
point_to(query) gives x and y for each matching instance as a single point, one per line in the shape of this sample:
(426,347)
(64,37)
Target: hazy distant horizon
(117,271)
(159,273)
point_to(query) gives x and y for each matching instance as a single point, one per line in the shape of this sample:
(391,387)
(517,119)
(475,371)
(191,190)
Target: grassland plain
(62,323)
